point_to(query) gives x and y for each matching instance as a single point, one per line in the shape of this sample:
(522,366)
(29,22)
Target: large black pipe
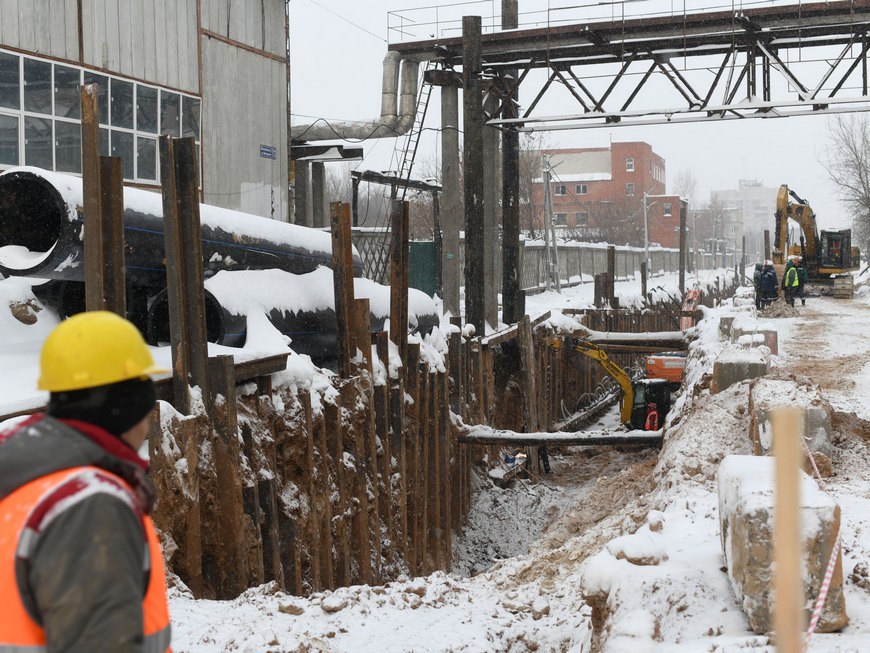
(41,234)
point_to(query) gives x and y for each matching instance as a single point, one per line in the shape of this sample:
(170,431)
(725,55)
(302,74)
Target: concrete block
(746,509)
(767,394)
(743,326)
(735,364)
(725,322)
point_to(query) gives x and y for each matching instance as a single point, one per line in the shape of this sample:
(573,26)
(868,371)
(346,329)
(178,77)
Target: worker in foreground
(80,564)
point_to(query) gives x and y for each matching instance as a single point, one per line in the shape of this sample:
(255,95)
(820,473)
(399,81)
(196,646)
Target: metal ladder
(409,152)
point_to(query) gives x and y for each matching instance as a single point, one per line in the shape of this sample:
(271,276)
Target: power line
(346,20)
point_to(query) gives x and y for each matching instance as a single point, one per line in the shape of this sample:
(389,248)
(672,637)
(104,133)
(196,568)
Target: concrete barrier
(735,364)
(746,508)
(766,394)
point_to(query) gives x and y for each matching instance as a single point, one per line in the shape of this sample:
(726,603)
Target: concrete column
(451,212)
(303,194)
(491,217)
(319,210)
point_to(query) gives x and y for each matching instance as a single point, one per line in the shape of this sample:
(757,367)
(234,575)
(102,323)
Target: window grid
(629,189)
(560,189)
(581,189)
(629,165)
(137,144)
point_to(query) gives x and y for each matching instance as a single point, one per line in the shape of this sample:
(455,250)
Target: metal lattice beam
(768,62)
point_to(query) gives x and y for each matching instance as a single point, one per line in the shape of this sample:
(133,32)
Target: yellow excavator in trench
(825,254)
(637,394)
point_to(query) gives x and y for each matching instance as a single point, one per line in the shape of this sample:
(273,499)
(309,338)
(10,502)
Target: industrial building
(210,69)
(598,193)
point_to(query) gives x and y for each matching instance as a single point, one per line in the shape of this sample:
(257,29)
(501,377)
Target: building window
(560,219)
(629,165)
(40,117)
(581,219)
(560,189)
(666,208)
(581,189)
(629,189)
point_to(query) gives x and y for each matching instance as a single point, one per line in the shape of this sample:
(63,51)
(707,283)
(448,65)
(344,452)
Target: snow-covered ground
(552,544)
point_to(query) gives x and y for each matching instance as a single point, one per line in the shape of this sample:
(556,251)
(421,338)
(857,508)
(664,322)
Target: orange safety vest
(652,421)
(26,512)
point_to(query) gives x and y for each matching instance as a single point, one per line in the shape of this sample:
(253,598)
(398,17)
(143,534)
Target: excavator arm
(800,212)
(597,354)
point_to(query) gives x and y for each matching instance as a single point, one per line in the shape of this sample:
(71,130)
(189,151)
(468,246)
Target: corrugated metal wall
(48,27)
(244,93)
(237,126)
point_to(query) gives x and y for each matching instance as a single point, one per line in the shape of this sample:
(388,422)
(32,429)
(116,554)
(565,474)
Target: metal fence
(578,262)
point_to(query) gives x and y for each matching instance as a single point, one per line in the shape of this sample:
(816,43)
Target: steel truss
(761,63)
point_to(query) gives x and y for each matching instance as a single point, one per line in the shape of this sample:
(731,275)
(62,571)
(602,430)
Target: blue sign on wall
(267,152)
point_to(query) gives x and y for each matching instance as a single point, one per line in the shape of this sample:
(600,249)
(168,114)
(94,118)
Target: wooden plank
(399,277)
(341,526)
(511,332)
(397,449)
(431,463)
(187,180)
(342,272)
(412,461)
(382,431)
(92,200)
(527,370)
(363,322)
(114,291)
(179,324)
(485,435)
(327,480)
(311,530)
(351,396)
(788,586)
(423,473)
(445,432)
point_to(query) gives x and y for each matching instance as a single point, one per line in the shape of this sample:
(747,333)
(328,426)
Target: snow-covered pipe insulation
(41,234)
(392,122)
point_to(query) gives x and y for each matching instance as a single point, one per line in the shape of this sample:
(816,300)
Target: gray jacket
(85,578)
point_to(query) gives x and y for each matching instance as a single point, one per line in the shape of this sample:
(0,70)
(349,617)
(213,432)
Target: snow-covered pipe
(41,231)
(301,307)
(392,122)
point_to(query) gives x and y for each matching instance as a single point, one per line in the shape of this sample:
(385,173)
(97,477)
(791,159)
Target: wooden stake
(788,615)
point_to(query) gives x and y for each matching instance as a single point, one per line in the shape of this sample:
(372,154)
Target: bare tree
(338,184)
(529,172)
(686,185)
(847,162)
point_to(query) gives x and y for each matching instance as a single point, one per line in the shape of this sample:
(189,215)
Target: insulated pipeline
(41,231)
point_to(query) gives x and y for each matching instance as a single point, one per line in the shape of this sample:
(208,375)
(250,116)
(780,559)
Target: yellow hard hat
(92,349)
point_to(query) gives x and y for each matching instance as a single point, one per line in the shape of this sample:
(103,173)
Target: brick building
(598,194)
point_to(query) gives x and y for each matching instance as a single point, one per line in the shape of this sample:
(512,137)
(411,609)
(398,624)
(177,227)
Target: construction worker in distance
(803,277)
(756,282)
(652,418)
(790,282)
(768,284)
(80,564)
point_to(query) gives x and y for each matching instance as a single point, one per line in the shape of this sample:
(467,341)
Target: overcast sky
(337,49)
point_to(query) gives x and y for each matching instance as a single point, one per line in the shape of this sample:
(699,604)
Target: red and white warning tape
(832,561)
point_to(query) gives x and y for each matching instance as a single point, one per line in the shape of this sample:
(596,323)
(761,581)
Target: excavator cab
(646,392)
(835,251)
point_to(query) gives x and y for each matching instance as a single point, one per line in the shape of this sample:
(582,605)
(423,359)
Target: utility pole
(550,228)
(473,166)
(645,233)
(510,197)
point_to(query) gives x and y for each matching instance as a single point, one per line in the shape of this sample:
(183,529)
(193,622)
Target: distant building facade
(598,194)
(185,68)
(757,203)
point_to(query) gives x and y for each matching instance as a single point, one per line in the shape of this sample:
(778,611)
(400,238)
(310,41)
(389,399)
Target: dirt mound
(779,309)
(849,425)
